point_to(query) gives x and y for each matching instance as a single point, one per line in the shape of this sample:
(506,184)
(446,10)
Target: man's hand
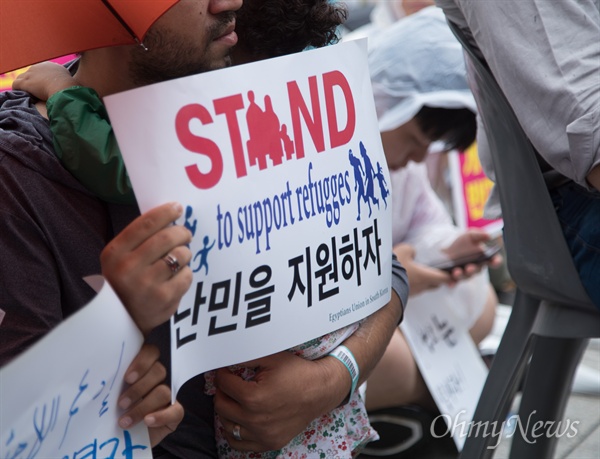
(287,393)
(593,177)
(134,264)
(147,398)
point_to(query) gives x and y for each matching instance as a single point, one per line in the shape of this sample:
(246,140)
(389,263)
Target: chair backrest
(538,258)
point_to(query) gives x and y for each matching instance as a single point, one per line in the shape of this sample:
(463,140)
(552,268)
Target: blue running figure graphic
(204,254)
(358,179)
(385,192)
(188,217)
(369,194)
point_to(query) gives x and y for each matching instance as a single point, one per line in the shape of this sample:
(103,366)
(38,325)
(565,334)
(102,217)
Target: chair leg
(545,395)
(503,379)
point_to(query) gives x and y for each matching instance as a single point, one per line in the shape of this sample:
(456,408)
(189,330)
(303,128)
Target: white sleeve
(419,217)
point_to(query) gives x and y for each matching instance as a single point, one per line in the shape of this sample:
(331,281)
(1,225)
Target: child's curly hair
(271,28)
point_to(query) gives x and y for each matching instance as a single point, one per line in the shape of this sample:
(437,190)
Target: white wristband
(344,355)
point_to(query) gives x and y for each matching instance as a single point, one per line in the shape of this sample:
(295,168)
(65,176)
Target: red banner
(472,191)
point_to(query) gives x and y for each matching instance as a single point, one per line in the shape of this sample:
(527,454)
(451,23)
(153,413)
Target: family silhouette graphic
(267,136)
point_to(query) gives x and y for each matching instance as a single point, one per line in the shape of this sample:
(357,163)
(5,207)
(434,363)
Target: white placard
(280,167)
(59,399)
(447,358)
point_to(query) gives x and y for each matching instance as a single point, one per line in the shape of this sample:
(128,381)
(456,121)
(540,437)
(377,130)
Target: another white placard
(59,399)
(447,358)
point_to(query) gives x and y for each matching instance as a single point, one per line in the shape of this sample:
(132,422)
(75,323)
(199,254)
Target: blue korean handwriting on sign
(59,399)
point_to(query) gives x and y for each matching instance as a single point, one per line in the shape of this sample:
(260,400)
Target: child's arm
(86,144)
(44,80)
(82,135)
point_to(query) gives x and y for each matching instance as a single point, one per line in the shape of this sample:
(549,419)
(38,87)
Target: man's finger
(146,225)
(142,362)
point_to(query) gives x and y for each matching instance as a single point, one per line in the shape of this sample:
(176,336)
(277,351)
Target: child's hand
(147,398)
(43,80)
(420,276)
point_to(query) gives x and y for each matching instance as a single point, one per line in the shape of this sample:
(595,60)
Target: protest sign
(447,357)
(59,399)
(280,168)
(470,191)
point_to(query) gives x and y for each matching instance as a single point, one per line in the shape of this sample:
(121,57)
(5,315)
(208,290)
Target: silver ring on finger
(172,263)
(237,432)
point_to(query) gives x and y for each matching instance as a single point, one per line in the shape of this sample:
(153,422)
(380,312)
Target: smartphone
(486,255)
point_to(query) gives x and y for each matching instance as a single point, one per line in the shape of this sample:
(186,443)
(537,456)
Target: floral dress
(341,433)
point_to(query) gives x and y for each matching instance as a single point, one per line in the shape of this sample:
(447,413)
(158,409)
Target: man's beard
(168,56)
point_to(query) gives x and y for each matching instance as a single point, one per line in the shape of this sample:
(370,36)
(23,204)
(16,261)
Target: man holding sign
(283,376)
(55,233)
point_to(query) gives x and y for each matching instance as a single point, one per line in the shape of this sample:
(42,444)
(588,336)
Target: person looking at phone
(422,96)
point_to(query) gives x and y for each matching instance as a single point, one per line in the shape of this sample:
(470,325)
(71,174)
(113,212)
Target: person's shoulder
(21,124)
(19,116)
(26,146)
(15,100)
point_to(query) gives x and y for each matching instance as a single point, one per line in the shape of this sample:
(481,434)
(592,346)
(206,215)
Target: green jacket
(86,145)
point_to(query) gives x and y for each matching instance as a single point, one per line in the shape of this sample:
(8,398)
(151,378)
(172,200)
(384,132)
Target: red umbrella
(37,30)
